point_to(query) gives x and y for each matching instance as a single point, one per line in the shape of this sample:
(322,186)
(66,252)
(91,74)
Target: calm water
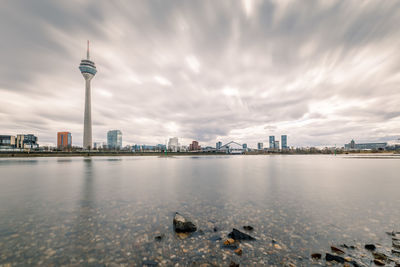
(107,211)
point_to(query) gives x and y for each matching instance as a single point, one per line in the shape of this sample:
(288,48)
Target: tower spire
(87,53)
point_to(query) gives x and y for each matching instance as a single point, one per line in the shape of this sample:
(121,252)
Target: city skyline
(208,72)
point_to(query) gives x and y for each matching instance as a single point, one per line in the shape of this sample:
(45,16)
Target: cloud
(320,72)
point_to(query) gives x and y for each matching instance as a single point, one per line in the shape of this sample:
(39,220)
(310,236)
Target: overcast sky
(322,72)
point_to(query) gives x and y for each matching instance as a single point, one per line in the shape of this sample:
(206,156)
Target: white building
(173,144)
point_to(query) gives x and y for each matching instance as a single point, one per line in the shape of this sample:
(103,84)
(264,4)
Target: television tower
(88,70)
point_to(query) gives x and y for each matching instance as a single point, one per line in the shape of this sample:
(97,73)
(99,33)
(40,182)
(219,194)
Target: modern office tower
(88,70)
(114,139)
(7,141)
(218,145)
(284,141)
(260,146)
(26,141)
(64,140)
(173,144)
(272,142)
(244,146)
(276,145)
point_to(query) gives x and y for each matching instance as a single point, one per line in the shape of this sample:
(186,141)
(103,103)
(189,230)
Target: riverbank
(9,154)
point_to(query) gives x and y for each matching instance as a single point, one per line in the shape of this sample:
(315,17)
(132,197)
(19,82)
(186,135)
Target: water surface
(106,211)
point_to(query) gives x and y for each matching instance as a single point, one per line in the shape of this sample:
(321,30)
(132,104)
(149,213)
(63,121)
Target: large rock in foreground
(183,225)
(237,235)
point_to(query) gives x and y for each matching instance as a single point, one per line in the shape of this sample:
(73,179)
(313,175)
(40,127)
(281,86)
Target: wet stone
(337,250)
(183,225)
(159,237)
(331,257)
(248,228)
(238,251)
(379,256)
(316,256)
(233,264)
(237,235)
(370,246)
(379,262)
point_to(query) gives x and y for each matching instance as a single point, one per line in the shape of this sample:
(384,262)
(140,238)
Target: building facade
(276,144)
(173,144)
(218,145)
(64,140)
(7,141)
(194,146)
(27,141)
(284,141)
(272,142)
(365,146)
(260,146)
(114,139)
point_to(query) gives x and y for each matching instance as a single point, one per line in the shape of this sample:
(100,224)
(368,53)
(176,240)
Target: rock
(346,264)
(370,246)
(248,228)
(231,243)
(159,237)
(277,246)
(215,229)
(355,264)
(337,250)
(183,225)
(331,257)
(233,264)
(379,262)
(379,256)
(317,256)
(348,259)
(238,251)
(237,235)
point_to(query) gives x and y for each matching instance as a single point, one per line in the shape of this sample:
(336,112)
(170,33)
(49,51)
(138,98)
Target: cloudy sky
(321,72)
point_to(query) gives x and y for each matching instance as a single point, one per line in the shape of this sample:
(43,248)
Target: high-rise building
(272,142)
(64,140)
(218,145)
(26,141)
(114,139)
(194,146)
(276,144)
(173,144)
(284,141)
(260,146)
(88,70)
(244,146)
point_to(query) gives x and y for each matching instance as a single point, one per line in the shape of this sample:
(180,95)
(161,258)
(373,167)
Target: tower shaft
(87,131)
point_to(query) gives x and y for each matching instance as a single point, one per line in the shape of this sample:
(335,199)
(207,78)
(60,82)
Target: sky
(321,72)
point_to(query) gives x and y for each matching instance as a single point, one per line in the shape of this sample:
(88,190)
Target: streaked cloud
(321,72)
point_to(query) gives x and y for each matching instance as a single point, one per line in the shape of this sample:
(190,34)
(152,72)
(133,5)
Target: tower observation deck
(88,70)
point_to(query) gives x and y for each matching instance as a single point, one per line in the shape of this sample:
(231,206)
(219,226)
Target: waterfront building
(276,144)
(88,70)
(218,145)
(28,141)
(7,141)
(244,146)
(173,144)
(284,141)
(365,146)
(64,140)
(272,142)
(114,139)
(194,146)
(260,146)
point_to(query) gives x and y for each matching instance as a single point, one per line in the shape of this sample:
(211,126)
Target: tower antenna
(88,50)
